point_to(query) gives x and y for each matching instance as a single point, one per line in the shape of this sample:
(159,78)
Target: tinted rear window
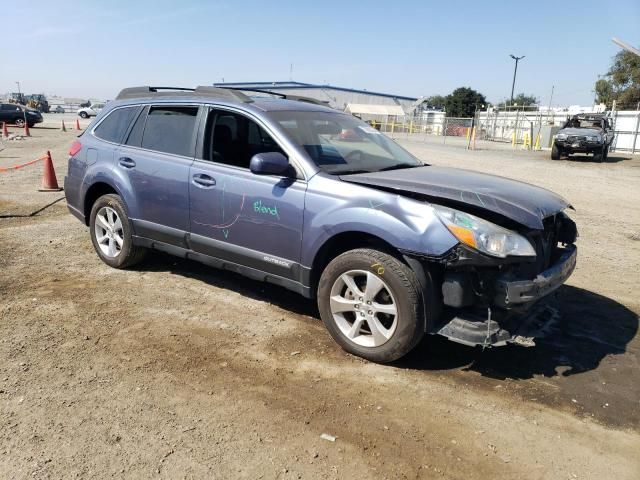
(170,130)
(113,128)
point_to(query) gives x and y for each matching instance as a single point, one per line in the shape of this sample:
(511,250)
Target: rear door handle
(126,162)
(204,180)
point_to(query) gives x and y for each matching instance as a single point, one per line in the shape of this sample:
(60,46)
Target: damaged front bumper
(514,313)
(510,292)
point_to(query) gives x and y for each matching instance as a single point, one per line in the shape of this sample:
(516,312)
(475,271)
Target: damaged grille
(576,139)
(558,229)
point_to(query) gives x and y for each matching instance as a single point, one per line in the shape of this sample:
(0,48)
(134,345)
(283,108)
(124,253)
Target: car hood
(581,131)
(518,201)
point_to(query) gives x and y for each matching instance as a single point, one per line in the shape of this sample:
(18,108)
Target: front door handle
(204,180)
(126,162)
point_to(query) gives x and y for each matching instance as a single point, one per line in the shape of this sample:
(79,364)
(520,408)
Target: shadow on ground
(613,158)
(591,327)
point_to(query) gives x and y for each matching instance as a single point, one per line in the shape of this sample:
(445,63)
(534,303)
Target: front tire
(83,115)
(555,152)
(371,303)
(598,155)
(111,233)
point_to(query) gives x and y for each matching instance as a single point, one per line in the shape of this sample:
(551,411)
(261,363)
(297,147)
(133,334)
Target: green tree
(462,102)
(604,92)
(436,101)
(525,100)
(622,81)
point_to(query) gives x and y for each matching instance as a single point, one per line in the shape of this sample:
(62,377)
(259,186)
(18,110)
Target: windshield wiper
(348,172)
(398,166)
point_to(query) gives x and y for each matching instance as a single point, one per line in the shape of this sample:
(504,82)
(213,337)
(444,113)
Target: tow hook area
(519,329)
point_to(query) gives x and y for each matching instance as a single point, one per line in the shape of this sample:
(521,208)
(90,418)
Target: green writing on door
(263,209)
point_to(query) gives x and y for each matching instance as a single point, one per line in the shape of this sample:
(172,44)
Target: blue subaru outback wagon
(288,191)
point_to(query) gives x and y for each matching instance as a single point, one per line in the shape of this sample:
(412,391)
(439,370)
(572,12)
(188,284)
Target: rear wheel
(555,152)
(83,115)
(19,122)
(371,304)
(111,233)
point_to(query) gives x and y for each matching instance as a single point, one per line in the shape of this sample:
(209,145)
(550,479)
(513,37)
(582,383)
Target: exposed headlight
(593,138)
(561,136)
(482,235)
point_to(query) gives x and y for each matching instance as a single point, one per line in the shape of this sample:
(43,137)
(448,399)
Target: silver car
(90,111)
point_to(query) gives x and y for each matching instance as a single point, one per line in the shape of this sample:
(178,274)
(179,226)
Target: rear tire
(19,122)
(83,115)
(555,152)
(111,233)
(371,303)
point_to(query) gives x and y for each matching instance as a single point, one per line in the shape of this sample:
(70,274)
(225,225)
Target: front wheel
(371,304)
(555,152)
(83,115)
(111,233)
(598,155)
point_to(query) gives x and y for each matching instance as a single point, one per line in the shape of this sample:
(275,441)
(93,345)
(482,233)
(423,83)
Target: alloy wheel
(108,231)
(364,308)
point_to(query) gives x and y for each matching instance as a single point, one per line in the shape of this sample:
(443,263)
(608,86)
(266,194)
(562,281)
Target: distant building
(338,97)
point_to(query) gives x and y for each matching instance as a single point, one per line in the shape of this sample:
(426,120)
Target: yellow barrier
(513,139)
(538,147)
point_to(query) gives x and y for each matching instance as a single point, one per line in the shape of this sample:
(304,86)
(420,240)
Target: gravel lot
(175,370)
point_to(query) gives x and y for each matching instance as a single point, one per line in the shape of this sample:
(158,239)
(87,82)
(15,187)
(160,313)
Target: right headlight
(484,236)
(561,136)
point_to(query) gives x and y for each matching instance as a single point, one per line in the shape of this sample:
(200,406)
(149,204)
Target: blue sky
(414,48)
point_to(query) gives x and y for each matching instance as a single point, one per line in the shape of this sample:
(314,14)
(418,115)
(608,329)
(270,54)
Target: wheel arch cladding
(343,242)
(94,192)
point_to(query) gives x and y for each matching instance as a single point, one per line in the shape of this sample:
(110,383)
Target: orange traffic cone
(64,129)
(77,124)
(49,180)
(5,132)
(26,130)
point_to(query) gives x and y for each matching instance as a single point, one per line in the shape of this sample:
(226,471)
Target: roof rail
(202,91)
(297,98)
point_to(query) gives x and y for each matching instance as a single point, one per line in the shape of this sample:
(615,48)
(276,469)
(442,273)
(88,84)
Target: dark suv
(14,114)
(584,133)
(287,191)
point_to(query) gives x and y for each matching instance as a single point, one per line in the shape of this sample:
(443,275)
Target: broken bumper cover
(516,315)
(511,293)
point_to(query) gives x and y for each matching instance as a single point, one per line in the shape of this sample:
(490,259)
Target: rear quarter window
(114,126)
(170,130)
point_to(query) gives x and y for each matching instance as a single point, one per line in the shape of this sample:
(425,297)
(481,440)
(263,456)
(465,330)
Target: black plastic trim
(213,261)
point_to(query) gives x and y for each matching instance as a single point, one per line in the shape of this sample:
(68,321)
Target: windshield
(342,144)
(583,123)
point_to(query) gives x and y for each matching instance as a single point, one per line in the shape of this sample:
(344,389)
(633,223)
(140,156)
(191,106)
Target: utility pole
(515,70)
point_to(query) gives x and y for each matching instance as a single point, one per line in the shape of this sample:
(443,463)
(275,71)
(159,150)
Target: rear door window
(114,126)
(171,129)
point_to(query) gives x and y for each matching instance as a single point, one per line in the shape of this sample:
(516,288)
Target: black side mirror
(270,163)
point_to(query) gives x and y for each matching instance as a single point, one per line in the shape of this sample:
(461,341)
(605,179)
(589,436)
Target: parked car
(58,109)
(12,113)
(389,247)
(584,133)
(90,111)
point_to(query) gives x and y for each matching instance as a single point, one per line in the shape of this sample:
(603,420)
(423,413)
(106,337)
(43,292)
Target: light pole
(515,70)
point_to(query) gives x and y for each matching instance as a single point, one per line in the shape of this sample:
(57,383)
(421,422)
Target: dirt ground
(176,370)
